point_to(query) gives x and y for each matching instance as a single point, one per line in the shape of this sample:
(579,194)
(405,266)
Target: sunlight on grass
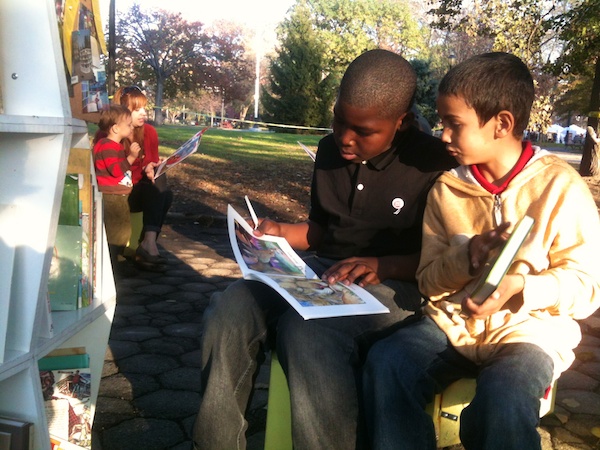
(239,146)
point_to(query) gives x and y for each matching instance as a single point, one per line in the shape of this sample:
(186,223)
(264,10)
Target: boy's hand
(510,286)
(349,270)
(481,245)
(268,226)
(135,149)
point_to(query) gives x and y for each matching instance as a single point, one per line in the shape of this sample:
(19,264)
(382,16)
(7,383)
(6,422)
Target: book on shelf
(57,443)
(70,206)
(4,441)
(66,388)
(46,326)
(86,290)
(187,149)
(308,151)
(271,260)
(16,432)
(64,281)
(78,199)
(497,268)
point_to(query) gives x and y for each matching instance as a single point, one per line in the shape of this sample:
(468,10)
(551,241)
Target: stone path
(149,390)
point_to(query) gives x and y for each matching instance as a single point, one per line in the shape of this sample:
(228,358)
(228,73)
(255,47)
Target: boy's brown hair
(490,83)
(112,116)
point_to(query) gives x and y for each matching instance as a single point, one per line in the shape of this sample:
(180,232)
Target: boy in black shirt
(368,195)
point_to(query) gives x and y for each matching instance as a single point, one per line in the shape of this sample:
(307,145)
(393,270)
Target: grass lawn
(239,147)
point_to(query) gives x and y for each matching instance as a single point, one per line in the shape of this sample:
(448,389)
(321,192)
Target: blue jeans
(404,372)
(321,357)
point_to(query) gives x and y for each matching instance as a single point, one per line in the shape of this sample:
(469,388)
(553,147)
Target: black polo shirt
(375,208)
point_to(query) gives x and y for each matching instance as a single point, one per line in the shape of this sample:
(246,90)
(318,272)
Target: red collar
(526,155)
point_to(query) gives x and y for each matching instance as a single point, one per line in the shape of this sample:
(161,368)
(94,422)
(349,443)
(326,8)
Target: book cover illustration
(498,266)
(66,394)
(271,260)
(180,154)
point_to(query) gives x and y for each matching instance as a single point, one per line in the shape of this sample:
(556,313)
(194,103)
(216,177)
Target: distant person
(113,165)
(568,139)
(154,199)
(370,182)
(521,338)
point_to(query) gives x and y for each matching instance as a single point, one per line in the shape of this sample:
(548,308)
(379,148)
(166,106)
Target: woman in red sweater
(152,198)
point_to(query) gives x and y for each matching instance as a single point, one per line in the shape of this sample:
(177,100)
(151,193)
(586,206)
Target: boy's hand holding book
(495,289)
(481,245)
(510,286)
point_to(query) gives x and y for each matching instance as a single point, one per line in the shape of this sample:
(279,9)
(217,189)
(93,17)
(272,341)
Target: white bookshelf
(37,132)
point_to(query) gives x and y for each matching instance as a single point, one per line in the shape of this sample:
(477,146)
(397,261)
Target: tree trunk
(595,156)
(158,115)
(586,169)
(244,111)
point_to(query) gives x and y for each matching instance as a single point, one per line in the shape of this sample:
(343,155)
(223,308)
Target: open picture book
(180,154)
(498,267)
(271,260)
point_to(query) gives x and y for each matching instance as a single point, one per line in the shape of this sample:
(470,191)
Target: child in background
(113,174)
(521,338)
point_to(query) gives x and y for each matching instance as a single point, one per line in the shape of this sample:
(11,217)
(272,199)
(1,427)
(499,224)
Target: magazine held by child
(271,260)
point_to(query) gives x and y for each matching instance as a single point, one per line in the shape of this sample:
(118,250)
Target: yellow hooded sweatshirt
(560,259)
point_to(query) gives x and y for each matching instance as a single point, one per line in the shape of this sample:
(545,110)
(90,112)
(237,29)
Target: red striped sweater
(112,168)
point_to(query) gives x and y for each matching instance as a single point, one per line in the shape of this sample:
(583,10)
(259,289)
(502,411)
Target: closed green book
(498,268)
(70,204)
(65,269)
(64,362)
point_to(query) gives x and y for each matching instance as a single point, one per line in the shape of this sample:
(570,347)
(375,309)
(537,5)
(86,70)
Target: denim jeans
(404,372)
(321,357)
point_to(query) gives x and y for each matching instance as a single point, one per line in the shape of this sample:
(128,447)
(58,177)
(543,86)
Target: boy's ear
(505,123)
(401,120)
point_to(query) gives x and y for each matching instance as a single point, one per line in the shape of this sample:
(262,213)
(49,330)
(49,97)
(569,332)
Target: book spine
(64,362)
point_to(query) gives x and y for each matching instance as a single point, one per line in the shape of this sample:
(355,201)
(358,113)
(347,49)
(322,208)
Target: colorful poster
(81,46)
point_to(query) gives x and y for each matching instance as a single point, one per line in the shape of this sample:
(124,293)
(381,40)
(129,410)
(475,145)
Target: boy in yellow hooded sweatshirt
(522,336)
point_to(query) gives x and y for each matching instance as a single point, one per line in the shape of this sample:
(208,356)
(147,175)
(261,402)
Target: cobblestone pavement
(149,389)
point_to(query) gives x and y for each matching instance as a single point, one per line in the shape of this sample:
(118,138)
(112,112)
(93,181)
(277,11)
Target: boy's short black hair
(381,79)
(490,83)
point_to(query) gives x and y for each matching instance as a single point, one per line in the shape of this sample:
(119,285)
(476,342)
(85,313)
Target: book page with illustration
(180,154)
(271,260)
